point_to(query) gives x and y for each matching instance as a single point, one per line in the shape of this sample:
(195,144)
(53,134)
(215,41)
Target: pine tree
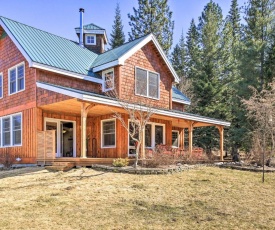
(178,61)
(193,61)
(179,57)
(153,16)
(231,44)
(234,18)
(259,31)
(117,35)
(207,83)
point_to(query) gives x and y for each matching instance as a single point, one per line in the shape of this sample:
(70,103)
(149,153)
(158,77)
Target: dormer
(93,37)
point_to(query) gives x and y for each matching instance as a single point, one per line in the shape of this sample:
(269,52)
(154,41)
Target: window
(108,78)
(17,78)
(148,135)
(147,83)
(158,134)
(16,130)
(1,87)
(175,139)
(90,39)
(132,143)
(154,135)
(11,130)
(6,132)
(108,130)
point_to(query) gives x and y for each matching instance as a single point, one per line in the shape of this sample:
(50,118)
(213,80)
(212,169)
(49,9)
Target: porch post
(190,139)
(84,112)
(182,139)
(220,128)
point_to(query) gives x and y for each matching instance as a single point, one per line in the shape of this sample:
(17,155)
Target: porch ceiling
(73,107)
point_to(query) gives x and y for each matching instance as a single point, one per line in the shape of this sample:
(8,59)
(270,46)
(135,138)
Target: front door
(64,136)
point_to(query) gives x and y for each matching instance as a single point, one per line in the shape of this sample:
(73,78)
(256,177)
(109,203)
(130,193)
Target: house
(53,102)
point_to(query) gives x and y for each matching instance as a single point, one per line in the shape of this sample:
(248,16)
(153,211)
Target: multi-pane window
(108,77)
(154,135)
(158,135)
(90,39)
(17,78)
(1,85)
(108,129)
(16,130)
(6,131)
(175,139)
(11,130)
(147,83)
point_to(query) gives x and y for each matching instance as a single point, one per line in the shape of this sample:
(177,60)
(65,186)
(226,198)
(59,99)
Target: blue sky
(60,17)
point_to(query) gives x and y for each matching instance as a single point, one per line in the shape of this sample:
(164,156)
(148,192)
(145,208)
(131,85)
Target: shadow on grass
(80,177)
(4,173)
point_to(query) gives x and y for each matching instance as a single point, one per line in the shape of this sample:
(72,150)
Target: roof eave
(181,101)
(116,103)
(67,73)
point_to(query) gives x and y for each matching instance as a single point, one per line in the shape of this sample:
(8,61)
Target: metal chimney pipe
(81,10)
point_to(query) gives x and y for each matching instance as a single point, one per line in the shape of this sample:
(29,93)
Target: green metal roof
(91,26)
(178,95)
(54,51)
(51,50)
(116,53)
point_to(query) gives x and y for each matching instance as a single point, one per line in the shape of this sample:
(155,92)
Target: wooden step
(56,168)
(69,164)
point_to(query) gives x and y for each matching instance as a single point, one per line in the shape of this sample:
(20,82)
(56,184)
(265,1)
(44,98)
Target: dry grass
(206,198)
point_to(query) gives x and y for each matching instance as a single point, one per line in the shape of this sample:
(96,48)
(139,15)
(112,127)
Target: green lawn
(204,198)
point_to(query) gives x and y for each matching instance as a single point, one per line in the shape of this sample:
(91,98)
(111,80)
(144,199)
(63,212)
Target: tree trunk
(137,155)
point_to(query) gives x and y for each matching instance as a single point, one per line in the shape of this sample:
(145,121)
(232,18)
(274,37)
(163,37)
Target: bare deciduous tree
(261,113)
(139,114)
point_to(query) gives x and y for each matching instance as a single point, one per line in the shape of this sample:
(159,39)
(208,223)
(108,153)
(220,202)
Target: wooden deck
(76,161)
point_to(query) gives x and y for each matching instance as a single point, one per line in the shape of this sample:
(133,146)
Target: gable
(148,59)
(119,55)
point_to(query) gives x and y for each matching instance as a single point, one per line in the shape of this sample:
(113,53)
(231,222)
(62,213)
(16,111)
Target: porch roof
(105,100)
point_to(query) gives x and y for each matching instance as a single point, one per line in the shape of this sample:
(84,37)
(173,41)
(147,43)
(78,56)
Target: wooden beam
(220,128)
(181,136)
(190,136)
(84,112)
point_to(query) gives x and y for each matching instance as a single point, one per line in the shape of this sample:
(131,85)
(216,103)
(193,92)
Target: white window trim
(58,144)
(2,81)
(113,80)
(86,39)
(147,71)
(11,130)
(176,131)
(16,80)
(101,124)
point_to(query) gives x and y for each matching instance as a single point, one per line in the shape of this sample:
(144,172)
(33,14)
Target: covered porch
(84,120)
